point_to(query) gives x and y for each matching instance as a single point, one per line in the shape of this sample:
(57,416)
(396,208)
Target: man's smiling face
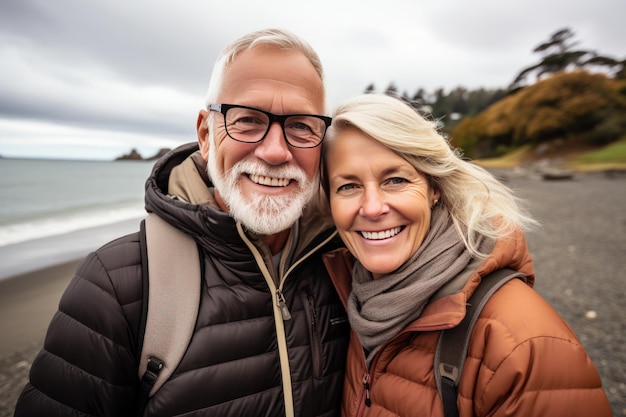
(265,185)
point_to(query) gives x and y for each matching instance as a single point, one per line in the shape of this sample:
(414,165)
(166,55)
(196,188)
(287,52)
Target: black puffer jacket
(232,367)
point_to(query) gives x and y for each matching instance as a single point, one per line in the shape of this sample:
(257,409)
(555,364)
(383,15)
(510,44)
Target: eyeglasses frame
(223,109)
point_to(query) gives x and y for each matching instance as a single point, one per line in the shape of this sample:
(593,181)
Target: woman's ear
(202,129)
(434,198)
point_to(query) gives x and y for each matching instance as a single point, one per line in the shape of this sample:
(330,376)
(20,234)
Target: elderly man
(270,336)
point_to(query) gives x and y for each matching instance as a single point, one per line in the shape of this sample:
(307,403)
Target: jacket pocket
(314,337)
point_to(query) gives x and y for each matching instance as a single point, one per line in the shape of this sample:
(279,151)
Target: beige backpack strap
(173,300)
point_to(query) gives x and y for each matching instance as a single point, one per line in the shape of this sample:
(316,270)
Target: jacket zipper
(280,298)
(279,312)
(282,305)
(367,380)
(316,348)
(366,387)
(366,399)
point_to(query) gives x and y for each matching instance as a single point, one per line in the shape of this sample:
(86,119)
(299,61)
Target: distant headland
(134,155)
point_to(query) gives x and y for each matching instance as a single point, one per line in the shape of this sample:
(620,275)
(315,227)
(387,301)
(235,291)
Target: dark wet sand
(27,303)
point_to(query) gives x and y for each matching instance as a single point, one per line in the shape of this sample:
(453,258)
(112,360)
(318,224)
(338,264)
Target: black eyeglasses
(250,125)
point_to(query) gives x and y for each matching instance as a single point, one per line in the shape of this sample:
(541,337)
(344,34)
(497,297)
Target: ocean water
(57,206)
(43,198)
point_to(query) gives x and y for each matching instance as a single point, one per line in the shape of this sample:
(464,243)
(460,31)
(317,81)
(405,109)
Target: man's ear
(202,128)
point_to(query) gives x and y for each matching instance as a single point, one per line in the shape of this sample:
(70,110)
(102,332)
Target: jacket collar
(180,191)
(448,306)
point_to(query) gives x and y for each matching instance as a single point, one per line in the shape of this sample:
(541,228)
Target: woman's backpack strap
(453,343)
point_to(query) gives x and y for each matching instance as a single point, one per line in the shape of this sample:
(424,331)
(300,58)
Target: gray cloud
(143,66)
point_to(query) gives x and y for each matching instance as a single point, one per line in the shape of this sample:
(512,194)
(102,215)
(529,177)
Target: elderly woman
(423,227)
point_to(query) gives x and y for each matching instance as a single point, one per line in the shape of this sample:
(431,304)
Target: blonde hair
(478,203)
(269,38)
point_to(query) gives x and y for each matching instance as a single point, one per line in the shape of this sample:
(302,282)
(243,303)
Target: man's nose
(274,148)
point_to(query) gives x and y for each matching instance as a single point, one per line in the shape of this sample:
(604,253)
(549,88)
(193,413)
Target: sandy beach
(578,253)
(27,303)
(35,273)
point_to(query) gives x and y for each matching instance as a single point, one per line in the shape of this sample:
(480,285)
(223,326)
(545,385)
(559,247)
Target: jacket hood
(180,192)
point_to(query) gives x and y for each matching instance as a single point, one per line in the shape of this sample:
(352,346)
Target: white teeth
(272,182)
(385,234)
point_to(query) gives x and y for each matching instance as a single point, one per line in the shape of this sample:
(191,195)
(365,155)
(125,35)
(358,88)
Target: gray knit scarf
(379,309)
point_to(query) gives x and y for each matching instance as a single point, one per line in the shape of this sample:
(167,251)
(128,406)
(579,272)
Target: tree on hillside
(419,96)
(604,61)
(392,90)
(578,107)
(558,54)
(370,89)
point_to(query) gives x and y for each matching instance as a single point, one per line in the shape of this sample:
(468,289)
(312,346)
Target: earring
(434,204)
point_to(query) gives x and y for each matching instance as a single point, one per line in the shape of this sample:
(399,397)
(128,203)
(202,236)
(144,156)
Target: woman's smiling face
(380,203)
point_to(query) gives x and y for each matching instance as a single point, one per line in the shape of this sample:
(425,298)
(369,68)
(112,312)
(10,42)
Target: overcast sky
(95,78)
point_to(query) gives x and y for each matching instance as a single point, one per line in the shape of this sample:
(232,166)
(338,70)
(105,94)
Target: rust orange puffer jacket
(523,358)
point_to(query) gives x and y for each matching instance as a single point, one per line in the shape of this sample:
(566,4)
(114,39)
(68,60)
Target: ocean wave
(65,223)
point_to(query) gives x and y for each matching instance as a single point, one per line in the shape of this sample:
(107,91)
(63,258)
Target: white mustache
(261,174)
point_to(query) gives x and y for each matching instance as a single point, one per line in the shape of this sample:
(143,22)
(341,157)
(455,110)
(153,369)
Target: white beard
(262,214)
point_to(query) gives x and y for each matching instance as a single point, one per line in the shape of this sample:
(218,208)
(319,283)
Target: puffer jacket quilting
(89,362)
(523,359)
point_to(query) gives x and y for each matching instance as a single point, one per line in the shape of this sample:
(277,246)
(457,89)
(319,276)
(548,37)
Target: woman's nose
(274,149)
(373,204)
